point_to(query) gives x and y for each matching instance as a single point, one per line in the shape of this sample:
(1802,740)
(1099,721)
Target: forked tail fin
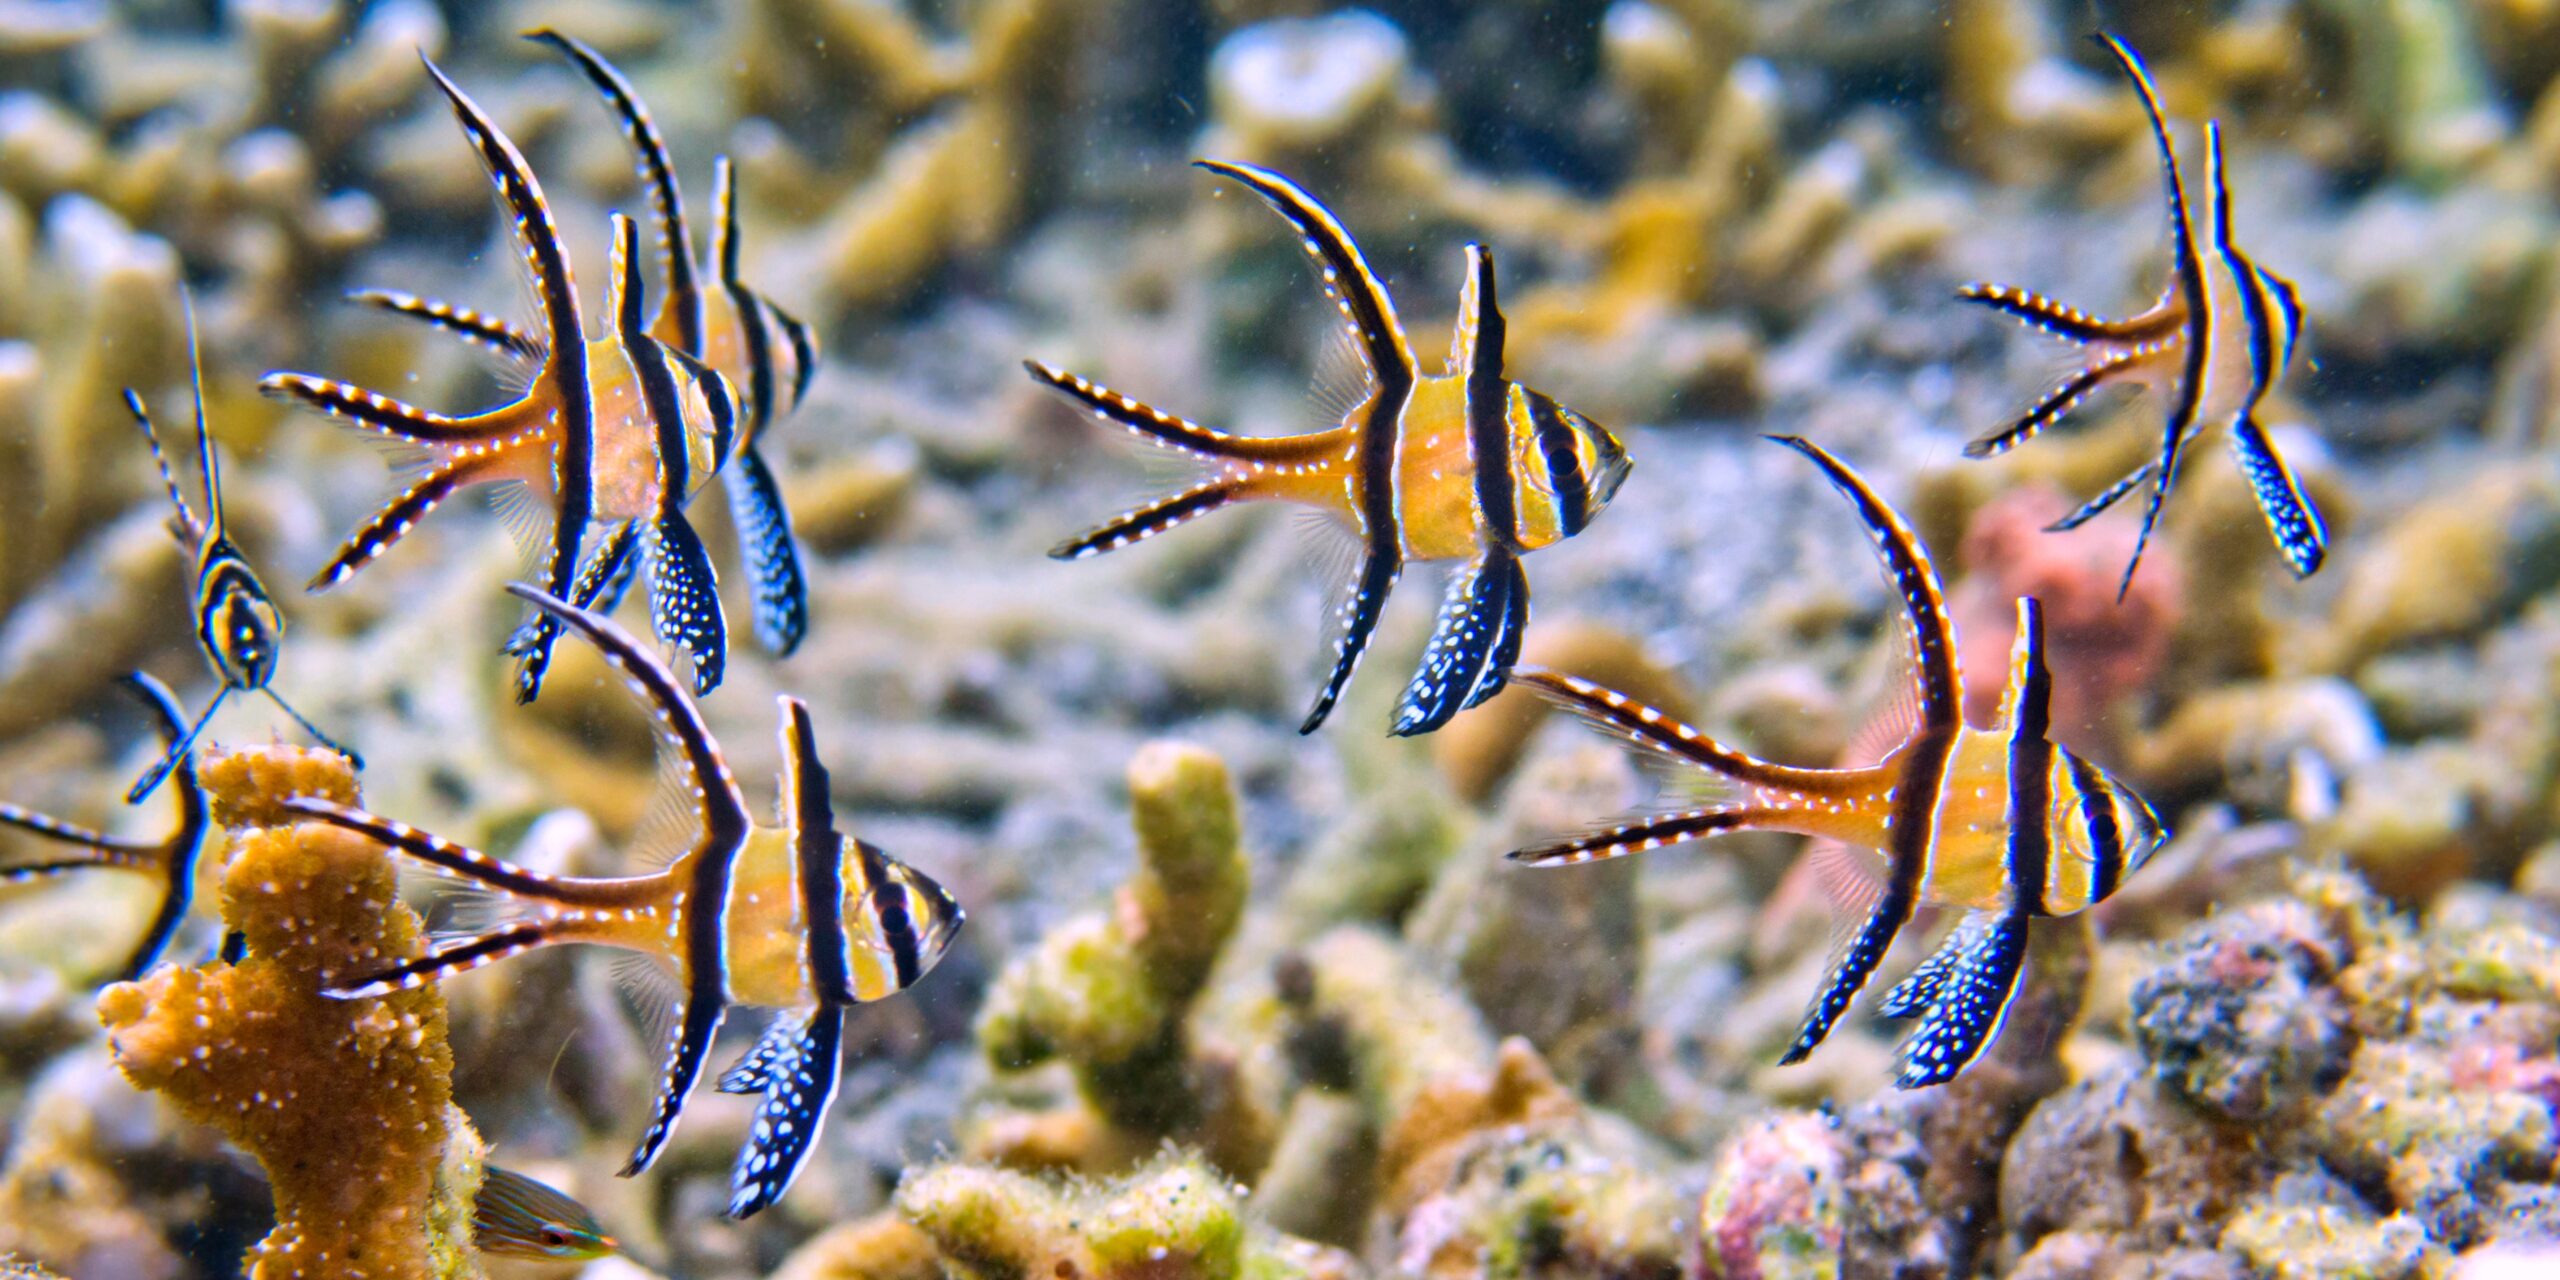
(1141,523)
(493,875)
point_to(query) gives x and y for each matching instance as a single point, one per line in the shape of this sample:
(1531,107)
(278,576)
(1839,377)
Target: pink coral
(2099,649)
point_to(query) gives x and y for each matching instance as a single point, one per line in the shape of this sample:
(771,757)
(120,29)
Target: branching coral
(102,306)
(345,1102)
(954,185)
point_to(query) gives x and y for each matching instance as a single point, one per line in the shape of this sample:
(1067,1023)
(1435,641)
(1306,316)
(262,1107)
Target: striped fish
(798,917)
(619,429)
(237,623)
(2214,344)
(1462,466)
(2002,823)
(172,860)
(761,348)
(517,1217)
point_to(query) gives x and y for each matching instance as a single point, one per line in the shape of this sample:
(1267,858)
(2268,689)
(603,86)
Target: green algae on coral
(1108,993)
(1175,1219)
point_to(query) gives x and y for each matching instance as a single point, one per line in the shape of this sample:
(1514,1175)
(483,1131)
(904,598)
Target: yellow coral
(346,1103)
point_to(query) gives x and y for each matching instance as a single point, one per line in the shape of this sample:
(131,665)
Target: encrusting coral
(346,1103)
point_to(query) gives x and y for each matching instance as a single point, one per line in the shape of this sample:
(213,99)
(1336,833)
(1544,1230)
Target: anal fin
(604,577)
(700,1025)
(1912,996)
(1853,962)
(1474,644)
(1360,613)
(2106,498)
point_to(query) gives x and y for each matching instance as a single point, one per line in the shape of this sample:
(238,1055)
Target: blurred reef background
(1237,1003)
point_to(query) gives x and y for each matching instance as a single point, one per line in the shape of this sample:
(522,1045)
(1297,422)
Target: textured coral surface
(344,1102)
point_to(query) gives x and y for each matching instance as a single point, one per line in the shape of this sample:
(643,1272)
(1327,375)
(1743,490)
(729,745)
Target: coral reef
(345,1103)
(1315,1027)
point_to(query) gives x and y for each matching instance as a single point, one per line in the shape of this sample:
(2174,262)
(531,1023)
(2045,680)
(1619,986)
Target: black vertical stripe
(804,351)
(2190,268)
(2244,277)
(185,846)
(889,898)
(2098,813)
(1564,465)
(2030,850)
(1488,405)
(820,851)
(649,367)
(750,308)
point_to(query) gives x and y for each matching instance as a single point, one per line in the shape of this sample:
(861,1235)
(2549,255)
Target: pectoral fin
(1474,644)
(781,1038)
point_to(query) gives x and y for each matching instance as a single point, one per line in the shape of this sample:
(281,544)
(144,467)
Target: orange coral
(346,1102)
(247,788)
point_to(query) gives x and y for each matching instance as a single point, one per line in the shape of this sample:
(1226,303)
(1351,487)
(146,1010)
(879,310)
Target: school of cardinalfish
(597,459)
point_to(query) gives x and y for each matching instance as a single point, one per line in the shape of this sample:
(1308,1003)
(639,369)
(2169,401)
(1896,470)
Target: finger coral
(1108,993)
(345,1102)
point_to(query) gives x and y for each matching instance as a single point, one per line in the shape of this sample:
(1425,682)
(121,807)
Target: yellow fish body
(798,917)
(2002,823)
(1464,465)
(2213,346)
(619,429)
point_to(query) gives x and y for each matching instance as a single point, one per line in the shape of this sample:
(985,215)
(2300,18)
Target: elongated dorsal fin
(206,460)
(683,303)
(1354,288)
(563,378)
(2025,701)
(723,805)
(1938,684)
